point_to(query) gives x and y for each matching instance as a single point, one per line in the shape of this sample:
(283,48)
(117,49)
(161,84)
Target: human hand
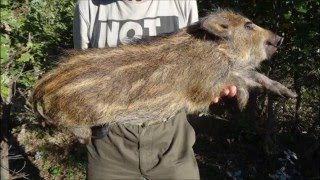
(230,91)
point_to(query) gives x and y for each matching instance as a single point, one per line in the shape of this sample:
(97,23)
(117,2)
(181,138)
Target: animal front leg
(272,85)
(246,80)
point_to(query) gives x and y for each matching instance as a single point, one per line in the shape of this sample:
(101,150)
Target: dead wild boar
(146,82)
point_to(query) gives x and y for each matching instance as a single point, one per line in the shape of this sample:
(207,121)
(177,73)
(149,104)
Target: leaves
(4,54)
(28,31)
(4,88)
(4,2)
(287,15)
(25,57)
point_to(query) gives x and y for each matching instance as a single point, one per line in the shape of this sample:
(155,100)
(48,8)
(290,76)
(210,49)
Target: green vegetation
(31,33)
(273,138)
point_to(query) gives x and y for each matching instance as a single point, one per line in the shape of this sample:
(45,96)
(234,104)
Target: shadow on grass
(23,163)
(224,150)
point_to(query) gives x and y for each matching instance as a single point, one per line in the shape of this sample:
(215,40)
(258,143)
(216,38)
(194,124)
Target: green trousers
(158,151)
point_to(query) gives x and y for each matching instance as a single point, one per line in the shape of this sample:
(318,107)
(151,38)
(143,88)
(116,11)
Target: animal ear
(216,25)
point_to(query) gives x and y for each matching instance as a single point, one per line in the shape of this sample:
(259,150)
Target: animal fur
(151,81)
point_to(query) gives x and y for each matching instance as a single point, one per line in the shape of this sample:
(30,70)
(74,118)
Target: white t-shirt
(103,23)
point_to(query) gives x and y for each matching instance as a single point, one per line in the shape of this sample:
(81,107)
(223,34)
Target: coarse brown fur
(151,81)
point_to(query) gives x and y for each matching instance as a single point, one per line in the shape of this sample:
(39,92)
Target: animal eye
(248,26)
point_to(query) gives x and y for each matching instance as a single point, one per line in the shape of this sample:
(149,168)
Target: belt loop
(99,132)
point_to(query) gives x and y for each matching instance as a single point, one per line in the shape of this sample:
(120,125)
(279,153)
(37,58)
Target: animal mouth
(272,44)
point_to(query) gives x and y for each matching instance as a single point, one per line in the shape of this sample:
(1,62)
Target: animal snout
(275,41)
(272,44)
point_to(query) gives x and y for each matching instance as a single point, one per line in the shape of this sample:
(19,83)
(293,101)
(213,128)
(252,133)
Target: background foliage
(274,138)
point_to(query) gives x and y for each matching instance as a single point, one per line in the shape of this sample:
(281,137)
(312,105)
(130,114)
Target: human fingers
(232,91)
(216,99)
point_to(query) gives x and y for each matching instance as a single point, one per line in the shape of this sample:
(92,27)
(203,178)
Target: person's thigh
(170,154)
(114,156)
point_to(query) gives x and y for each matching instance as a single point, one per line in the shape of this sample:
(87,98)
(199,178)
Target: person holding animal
(129,104)
(130,150)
